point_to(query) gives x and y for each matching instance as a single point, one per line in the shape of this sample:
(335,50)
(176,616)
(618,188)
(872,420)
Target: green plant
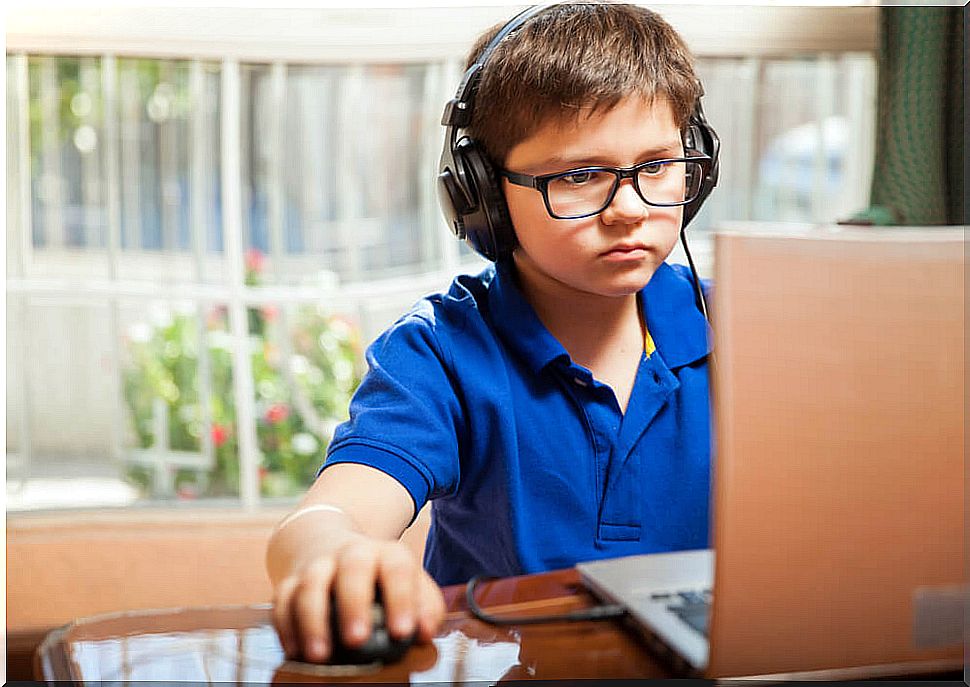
(304,372)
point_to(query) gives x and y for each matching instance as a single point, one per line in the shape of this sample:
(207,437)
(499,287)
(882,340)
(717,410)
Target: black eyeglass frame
(541,182)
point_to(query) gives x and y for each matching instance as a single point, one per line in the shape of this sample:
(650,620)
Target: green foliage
(139,80)
(301,395)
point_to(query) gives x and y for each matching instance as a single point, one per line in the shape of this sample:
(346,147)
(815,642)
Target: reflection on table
(239,644)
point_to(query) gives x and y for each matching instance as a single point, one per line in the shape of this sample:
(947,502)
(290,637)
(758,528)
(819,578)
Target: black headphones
(469,189)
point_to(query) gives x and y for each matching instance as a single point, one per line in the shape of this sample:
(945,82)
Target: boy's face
(616,252)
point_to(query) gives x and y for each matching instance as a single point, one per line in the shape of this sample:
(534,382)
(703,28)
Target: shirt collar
(678,328)
(517,322)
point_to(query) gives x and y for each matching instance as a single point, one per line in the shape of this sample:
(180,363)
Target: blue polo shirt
(471,402)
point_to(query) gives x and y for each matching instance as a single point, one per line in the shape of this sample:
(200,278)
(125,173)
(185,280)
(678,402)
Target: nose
(626,207)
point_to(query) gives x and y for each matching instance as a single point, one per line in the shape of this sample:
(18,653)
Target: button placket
(650,392)
(603,427)
(606,419)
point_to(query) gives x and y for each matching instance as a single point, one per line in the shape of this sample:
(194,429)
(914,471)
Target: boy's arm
(344,551)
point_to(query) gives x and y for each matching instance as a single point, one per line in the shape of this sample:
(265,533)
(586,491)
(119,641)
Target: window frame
(334,37)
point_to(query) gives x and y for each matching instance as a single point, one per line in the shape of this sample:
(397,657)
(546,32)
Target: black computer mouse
(380,646)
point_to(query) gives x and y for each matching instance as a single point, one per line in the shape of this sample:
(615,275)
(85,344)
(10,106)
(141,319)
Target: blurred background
(210,212)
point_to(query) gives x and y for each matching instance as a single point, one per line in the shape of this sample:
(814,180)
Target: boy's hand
(302,603)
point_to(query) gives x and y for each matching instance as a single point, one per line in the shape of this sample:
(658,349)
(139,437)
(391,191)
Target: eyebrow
(572,162)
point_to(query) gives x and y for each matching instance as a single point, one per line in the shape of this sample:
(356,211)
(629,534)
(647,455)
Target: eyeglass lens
(587,192)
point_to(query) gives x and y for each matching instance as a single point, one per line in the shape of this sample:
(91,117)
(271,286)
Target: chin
(632,281)
(617,288)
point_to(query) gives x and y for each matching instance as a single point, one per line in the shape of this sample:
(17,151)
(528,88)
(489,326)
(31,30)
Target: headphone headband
(458,110)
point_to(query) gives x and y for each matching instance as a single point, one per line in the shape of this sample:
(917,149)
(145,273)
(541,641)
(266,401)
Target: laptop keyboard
(692,606)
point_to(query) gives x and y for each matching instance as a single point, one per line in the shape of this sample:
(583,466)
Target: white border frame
(396,34)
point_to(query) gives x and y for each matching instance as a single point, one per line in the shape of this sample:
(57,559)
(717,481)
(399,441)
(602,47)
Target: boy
(555,407)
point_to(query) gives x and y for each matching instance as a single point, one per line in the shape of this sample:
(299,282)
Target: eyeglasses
(588,191)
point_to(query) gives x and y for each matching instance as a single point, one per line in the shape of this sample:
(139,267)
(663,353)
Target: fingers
(311,609)
(354,591)
(301,610)
(431,608)
(398,576)
(282,618)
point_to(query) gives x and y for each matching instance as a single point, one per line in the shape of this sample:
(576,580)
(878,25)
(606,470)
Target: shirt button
(580,382)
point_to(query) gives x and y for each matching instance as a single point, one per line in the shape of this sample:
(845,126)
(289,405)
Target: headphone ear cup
(702,139)
(488,228)
(452,198)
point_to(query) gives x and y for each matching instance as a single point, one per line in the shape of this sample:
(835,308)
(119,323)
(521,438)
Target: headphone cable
(699,299)
(607,612)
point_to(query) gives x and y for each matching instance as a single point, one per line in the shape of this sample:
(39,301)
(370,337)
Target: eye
(577,178)
(654,169)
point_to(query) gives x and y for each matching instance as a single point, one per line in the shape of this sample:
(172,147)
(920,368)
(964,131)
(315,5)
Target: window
(204,234)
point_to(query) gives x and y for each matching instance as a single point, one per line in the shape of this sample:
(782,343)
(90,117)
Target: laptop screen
(839,483)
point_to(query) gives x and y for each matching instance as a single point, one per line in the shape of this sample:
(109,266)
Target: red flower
(216,317)
(277,413)
(254,260)
(187,492)
(220,433)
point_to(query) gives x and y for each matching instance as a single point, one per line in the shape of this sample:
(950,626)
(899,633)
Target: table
(239,644)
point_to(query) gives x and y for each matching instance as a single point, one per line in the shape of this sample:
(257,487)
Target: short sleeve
(405,418)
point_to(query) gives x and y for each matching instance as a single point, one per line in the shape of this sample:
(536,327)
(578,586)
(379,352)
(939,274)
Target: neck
(588,325)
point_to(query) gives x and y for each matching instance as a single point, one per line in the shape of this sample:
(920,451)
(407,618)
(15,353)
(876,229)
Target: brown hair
(574,58)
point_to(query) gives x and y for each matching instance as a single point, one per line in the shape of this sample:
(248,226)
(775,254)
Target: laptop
(838,499)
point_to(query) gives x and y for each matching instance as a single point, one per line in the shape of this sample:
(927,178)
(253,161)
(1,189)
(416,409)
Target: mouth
(626,251)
